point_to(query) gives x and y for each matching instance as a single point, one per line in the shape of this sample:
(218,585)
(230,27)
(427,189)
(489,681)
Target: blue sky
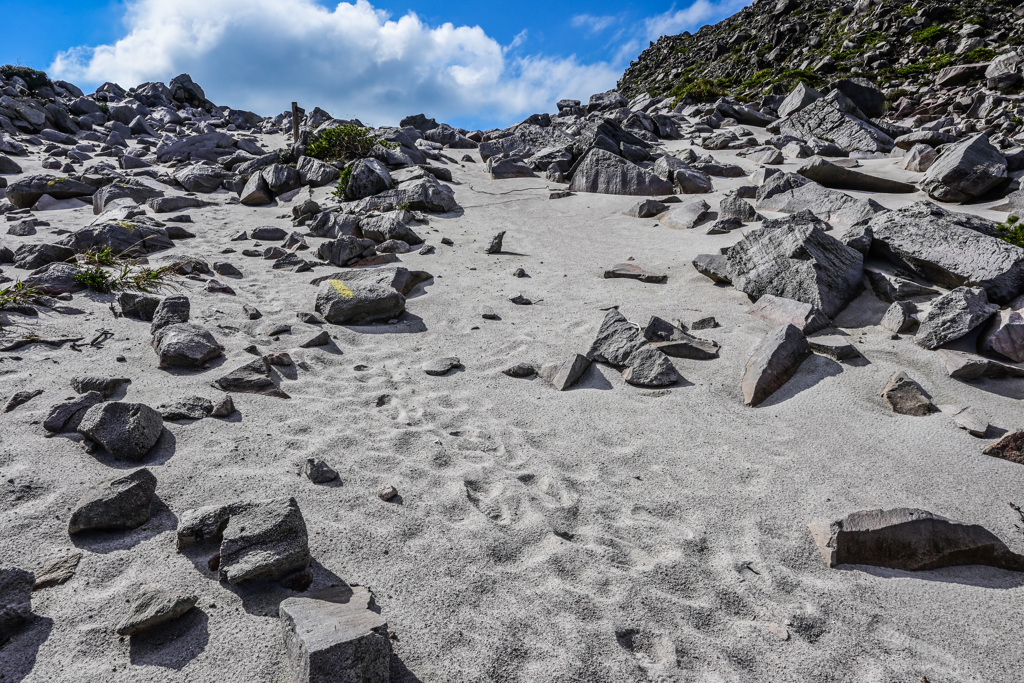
(472,64)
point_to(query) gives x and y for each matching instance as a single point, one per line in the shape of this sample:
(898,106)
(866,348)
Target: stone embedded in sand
(55,278)
(126,430)
(965,170)
(649,367)
(154,605)
(358,302)
(318,471)
(122,503)
(522,370)
(964,366)
(388,226)
(503,168)
(256,192)
(25,192)
(1010,447)
(836,177)
(54,571)
(128,238)
(648,208)
(675,342)
(441,366)
(631,271)
(919,159)
(251,378)
(316,173)
(321,338)
(185,345)
(65,417)
(190,408)
(792,193)
(20,399)
(777,310)
(561,375)
(713,266)
(281,179)
(15,601)
(266,540)
(776,360)
(35,256)
(953,315)
(834,346)
(910,540)
(345,250)
(686,216)
(137,194)
(616,340)
(137,305)
(823,119)
(107,386)
(335,636)
(735,207)
(496,243)
(971,421)
(906,397)
(899,317)
(200,178)
(172,310)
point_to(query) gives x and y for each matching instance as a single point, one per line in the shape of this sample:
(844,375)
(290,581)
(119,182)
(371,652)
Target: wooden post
(295,122)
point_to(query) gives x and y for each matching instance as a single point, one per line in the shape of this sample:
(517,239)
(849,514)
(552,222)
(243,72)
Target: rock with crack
(793,193)
(823,119)
(151,606)
(890,288)
(949,249)
(620,343)
(122,503)
(775,361)
(356,302)
(777,310)
(137,237)
(910,540)
(794,258)
(561,375)
(965,170)
(25,192)
(184,345)
(15,601)
(733,207)
(425,194)
(264,541)
(675,342)
(631,271)
(252,378)
(834,346)
(1010,447)
(336,636)
(606,173)
(953,315)
(965,366)
(906,397)
(126,430)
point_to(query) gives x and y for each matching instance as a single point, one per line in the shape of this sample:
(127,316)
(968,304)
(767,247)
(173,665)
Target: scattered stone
(357,302)
(632,271)
(685,217)
(122,503)
(965,366)
(910,540)
(319,339)
(251,378)
(972,422)
(1005,335)
(152,606)
(953,315)
(495,246)
(906,397)
(520,371)
(774,362)
(1010,447)
(191,408)
(899,317)
(54,571)
(441,366)
(387,492)
(520,300)
(675,342)
(107,386)
(267,540)
(777,311)
(137,305)
(20,399)
(224,407)
(65,417)
(561,375)
(318,472)
(713,266)
(834,346)
(185,345)
(965,170)
(171,311)
(648,208)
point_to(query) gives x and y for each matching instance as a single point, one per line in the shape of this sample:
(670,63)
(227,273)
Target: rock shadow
(811,371)
(866,310)
(1008,387)
(980,576)
(207,366)
(161,519)
(400,673)
(18,655)
(262,598)
(594,378)
(174,644)
(408,323)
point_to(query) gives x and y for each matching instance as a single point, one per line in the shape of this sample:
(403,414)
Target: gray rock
(966,366)
(496,243)
(319,339)
(24,193)
(1005,335)
(138,305)
(441,366)
(106,386)
(631,271)
(358,302)
(252,378)
(20,398)
(55,278)
(35,256)
(172,204)
(154,605)
(675,342)
(948,249)
(316,173)
(426,194)
(56,570)
(184,345)
(965,170)
(562,375)
(971,421)
(919,159)
(713,266)
(889,288)
(801,96)
(823,119)
(776,359)
(107,195)
(910,540)
(15,601)
(281,179)
(522,370)
(648,208)
(503,168)
(172,310)
(335,636)
(122,503)
(265,541)
(899,318)
(649,367)
(256,192)
(797,260)
(318,471)
(792,193)
(864,94)
(388,227)
(906,397)
(834,346)
(190,408)
(777,310)
(930,138)
(369,177)
(127,238)
(732,207)
(268,234)
(834,176)
(953,315)
(66,416)
(686,216)
(606,173)
(620,343)
(198,178)
(126,430)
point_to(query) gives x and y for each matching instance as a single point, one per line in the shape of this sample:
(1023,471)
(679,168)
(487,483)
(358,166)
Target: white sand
(606,533)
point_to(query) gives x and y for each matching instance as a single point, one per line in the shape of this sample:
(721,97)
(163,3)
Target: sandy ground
(606,533)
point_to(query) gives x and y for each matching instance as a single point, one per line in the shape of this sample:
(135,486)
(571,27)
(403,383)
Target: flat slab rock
(335,636)
(910,540)
(152,606)
(632,271)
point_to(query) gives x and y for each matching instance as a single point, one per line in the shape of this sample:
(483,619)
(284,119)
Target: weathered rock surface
(603,172)
(126,430)
(185,345)
(775,361)
(358,302)
(562,375)
(15,601)
(122,503)
(907,397)
(154,605)
(953,315)
(265,541)
(965,170)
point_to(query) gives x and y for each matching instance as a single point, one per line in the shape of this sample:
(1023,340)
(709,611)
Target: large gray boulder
(126,430)
(602,172)
(335,636)
(26,192)
(834,176)
(198,178)
(345,250)
(953,315)
(35,256)
(136,193)
(356,302)
(368,177)
(910,540)
(1005,335)
(130,238)
(425,194)
(965,170)
(867,96)
(823,119)
(316,173)
(685,216)
(949,249)
(775,361)
(265,541)
(184,345)
(388,227)
(793,193)
(796,259)
(122,503)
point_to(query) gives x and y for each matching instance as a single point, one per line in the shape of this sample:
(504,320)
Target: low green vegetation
(344,143)
(1012,231)
(35,80)
(342,186)
(104,271)
(981,54)
(699,90)
(18,294)
(931,34)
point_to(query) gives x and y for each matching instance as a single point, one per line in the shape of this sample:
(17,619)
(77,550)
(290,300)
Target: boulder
(823,119)
(281,179)
(126,430)
(267,540)
(899,318)
(199,178)
(650,367)
(35,256)
(55,278)
(425,194)
(929,138)
(966,366)
(620,344)
(837,177)
(388,227)
(1006,334)
(151,606)
(867,96)
(335,636)
(606,173)
(368,177)
(953,315)
(1003,72)
(906,397)
(122,503)
(135,194)
(648,208)
(919,159)
(910,540)
(777,310)
(172,204)
(713,266)
(686,216)
(172,310)
(735,207)
(794,258)
(316,173)
(793,193)
(502,168)
(965,170)
(24,193)
(948,249)
(128,238)
(776,359)
(256,192)
(184,345)
(356,302)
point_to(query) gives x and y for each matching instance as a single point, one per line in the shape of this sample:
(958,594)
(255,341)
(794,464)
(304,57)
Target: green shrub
(1012,231)
(699,90)
(931,34)
(18,294)
(344,143)
(35,79)
(95,278)
(757,79)
(339,189)
(981,54)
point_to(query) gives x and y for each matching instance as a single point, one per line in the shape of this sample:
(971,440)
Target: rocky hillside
(768,47)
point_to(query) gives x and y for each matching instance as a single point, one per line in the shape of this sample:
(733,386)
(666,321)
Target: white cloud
(353,60)
(593,24)
(692,17)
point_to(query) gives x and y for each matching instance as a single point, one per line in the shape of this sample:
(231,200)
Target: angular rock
(55,278)
(919,159)
(265,541)
(792,193)
(965,366)
(971,421)
(369,177)
(318,472)
(441,366)
(1005,335)
(910,540)
(15,601)
(138,305)
(648,208)
(122,503)
(965,170)
(256,192)
(892,288)
(106,386)
(606,173)
(834,346)
(675,342)
(823,119)
(1010,447)
(65,417)
(713,266)
(686,216)
(561,375)
(631,271)
(899,317)
(649,367)
(496,243)
(154,605)
(184,345)
(127,238)
(953,315)
(54,571)
(251,378)
(35,256)
(358,302)
(316,173)
(776,359)
(906,397)
(733,207)
(24,193)
(834,176)
(136,194)
(172,310)
(126,430)
(191,408)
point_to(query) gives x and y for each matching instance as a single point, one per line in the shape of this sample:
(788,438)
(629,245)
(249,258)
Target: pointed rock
(776,360)
(953,315)
(561,375)
(906,397)
(122,503)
